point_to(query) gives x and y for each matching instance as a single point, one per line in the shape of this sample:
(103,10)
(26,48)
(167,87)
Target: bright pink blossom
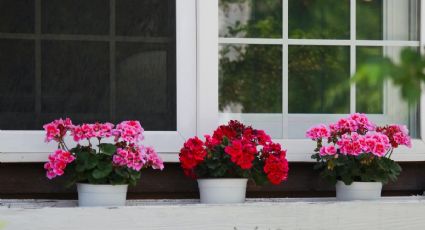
(328,150)
(57,129)
(129,131)
(131,157)
(153,159)
(397,134)
(57,163)
(318,132)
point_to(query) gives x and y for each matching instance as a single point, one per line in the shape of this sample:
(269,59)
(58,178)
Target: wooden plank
(274,215)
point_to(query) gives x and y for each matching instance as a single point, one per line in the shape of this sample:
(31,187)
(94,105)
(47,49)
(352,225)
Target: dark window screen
(90,60)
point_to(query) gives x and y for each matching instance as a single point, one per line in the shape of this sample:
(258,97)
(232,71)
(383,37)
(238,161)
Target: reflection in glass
(387,19)
(75,80)
(250,78)
(17,79)
(250,18)
(250,86)
(385,100)
(314,71)
(75,16)
(319,19)
(17,16)
(146,84)
(369,99)
(148,18)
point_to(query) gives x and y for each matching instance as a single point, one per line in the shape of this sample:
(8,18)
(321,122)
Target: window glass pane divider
(84,37)
(422,51)
(285,70)
(352,54)
(112,67)
(326,42)
(37,59)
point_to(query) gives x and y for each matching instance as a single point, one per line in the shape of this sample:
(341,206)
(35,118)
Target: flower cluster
(192,153)
(357,135)
(355,144)
(397,134)
(87,131)
(151,158)
(234,148)
(57,163)
(125,153)
(57,129)
(129,131)
(355,149)
(137,157)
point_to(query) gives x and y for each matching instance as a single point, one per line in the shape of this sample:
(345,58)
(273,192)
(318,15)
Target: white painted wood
(207,30)
(186,68)
(266,214)
(319,42)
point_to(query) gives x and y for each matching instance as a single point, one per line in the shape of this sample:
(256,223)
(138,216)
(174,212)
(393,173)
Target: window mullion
(285,70)
(352,54)
(422,51)
(112,65)
(37,61)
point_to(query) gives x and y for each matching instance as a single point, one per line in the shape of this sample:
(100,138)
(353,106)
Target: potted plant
(102,170)
(356,154)
(226,160)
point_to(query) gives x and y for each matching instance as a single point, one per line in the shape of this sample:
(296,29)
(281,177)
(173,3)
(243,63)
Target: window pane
(75,16)
(387,19)
(107,77)
(17,83)
(146,84)
(17,16)
(385,100)
(145,18)
(75,80)
(250,18)
(250,85)
(314,71)
(319,19)
(369,99)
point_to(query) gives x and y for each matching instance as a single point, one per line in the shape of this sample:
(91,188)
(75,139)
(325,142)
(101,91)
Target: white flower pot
(94,195)
(358,191)
(222,190)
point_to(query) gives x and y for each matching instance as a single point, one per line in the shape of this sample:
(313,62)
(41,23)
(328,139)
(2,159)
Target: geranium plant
(99,162)
(356,150)
(235,151)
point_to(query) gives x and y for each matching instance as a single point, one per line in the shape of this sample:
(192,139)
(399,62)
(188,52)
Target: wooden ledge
(256,214)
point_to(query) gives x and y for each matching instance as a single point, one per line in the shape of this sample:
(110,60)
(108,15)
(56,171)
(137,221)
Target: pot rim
(88,184)
(360,185)
(211,179)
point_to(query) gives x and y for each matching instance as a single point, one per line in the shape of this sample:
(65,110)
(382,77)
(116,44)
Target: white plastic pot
(222,191)
(358,191)
(94,195)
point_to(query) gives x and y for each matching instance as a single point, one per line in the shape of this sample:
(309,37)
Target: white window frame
(298,149)
(29,146)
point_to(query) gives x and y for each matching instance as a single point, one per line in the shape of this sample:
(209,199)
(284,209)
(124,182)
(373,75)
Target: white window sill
(291,213)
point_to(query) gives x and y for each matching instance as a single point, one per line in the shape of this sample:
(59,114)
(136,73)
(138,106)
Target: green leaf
(107,149)
(103,170)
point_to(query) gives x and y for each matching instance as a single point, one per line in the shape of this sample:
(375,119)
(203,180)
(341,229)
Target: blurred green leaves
(407,74)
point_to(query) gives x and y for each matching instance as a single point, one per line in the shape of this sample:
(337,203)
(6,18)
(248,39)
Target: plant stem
(389,157)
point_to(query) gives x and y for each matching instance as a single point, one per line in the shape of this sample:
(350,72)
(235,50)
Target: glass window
(89,60)
(250,18)
(317,19)
(295,80)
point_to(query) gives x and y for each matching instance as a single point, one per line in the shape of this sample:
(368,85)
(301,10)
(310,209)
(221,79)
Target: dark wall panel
(27,180)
